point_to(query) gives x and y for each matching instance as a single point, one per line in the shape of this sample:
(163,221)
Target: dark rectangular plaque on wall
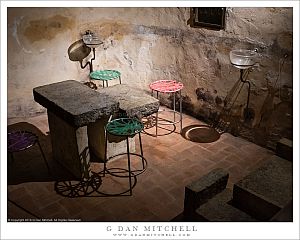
(208,17)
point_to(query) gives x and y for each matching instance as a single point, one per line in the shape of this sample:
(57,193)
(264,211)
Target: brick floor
(173,162)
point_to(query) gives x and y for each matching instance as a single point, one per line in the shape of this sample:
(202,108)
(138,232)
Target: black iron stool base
(125,173)
(135,172)
(158,122)
(125,127)
(75,188)
(167,121)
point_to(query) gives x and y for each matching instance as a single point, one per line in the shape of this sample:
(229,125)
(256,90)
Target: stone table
(71,107)
(77,116)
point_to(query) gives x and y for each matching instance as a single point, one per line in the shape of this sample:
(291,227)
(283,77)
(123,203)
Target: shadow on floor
(29,166)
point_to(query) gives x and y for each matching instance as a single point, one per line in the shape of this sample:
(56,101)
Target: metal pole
(91,63)
(105,152)
(180,109)
(174,106)
(129,170)
(248,97)
(156,123)
(141,148)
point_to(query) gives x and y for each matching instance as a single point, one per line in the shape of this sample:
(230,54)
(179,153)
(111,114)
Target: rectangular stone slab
(218,209)
(201,190)
(74,102)
(284,149)
(266,190)
(132,101)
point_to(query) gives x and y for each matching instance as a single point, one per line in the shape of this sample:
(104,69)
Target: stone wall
(146,44)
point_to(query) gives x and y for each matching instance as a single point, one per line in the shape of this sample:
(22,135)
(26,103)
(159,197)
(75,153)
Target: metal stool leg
(106,83)
(180,109)
(129,169)
(120,79)
(174,106)
(156,122)
(105,154)
(141,148)
(38,142)
(156,114)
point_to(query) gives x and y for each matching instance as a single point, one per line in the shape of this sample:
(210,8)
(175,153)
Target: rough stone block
(266,190)
(285,214)
(69,146)
(284,149)
(219,209)
(74,102)
(198,192)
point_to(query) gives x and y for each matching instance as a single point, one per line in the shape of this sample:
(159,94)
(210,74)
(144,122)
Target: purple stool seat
(21,140)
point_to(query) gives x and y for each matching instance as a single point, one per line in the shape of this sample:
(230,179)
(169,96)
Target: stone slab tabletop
(74,102)
(134,102)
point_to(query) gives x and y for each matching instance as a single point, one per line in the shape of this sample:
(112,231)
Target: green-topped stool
(105,75)
(125,127)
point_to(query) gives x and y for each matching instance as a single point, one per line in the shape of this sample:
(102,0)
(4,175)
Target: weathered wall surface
(146,44)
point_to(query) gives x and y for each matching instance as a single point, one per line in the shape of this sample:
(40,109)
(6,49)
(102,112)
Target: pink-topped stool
(171,87)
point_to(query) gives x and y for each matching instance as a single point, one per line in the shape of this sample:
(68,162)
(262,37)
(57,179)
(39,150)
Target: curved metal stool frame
(105,75)
(119,127)
(157,119)
(18,141)
(168,86)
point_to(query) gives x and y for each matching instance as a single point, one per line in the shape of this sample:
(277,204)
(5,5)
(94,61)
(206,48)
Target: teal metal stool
(105,75)
(125,127)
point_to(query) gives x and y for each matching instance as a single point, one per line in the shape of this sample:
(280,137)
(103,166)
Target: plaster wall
(146,44)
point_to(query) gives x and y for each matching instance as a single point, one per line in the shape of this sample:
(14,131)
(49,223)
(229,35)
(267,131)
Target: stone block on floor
(266,190)
(219,209)
(284,149)
(201,190)
(285,214)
